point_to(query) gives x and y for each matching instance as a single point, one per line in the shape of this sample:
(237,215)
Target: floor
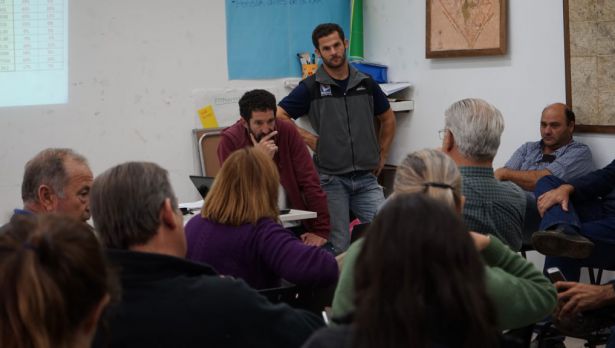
(575,343)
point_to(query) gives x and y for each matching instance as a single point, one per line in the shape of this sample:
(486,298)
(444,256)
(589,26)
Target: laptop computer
(202,183)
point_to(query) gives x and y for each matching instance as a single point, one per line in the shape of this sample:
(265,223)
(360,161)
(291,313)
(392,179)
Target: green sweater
(519,292)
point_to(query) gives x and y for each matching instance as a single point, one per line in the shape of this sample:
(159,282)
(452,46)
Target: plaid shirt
(492,206)
(571,160)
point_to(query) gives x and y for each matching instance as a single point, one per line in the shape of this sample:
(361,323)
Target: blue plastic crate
(377,71)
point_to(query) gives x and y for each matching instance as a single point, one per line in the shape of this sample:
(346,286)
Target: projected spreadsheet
(33,47)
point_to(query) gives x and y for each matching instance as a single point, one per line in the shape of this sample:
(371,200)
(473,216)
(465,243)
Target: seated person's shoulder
(526,147)
(512,188)
(581,146)
(233,129)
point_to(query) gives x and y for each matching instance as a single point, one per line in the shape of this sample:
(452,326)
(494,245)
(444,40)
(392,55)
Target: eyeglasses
(442,133)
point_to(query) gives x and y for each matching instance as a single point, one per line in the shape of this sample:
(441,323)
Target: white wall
(520,84)
(134,65)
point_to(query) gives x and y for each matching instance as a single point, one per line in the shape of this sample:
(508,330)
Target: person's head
(132,203)
(57,180)
(257,109)
(55,282)
(245,189)
(433,173)
(419,277)
(473,127)
(556,125)
(330,44)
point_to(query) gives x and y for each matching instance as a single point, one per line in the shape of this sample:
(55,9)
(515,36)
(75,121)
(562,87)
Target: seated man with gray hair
(56,180)
(471,136)
(168,301)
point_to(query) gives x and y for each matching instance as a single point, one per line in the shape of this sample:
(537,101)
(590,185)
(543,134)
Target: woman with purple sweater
(239,234)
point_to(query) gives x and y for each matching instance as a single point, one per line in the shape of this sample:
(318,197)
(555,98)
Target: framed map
(589,51)
(461,28)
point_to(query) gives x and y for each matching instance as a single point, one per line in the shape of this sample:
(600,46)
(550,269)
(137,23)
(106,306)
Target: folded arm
(526,179)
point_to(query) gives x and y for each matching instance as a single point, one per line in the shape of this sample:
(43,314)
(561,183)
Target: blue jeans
(358,192)
(589,219)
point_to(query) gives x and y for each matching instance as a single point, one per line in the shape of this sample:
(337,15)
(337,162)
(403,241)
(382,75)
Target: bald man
(557,153)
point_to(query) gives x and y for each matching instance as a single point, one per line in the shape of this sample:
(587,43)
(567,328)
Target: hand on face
(266,143)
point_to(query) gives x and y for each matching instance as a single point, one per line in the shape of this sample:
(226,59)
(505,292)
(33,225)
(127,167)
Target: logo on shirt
(361,88)
(325,90)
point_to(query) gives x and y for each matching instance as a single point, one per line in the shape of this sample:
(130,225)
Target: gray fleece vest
(344,121)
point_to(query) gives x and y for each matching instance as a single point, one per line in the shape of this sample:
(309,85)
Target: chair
(206,143)
(593,278)
(311,299)
(517,338)
(283,294)
(525,247)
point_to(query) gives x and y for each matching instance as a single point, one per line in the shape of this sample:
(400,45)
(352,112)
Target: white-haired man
(471,136)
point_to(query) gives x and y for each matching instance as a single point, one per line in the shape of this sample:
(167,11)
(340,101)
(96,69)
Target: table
(288,220)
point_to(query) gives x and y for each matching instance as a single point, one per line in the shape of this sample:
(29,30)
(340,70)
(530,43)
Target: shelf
(402,105)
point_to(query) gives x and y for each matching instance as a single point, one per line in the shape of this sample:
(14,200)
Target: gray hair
(476,126)
(126,200)
(431,172)
(47,168)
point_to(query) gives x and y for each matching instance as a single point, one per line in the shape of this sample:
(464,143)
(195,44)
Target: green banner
(356,30)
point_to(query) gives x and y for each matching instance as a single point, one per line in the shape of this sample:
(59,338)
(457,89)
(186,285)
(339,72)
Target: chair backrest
(311,299)
(206,141)
(284,294)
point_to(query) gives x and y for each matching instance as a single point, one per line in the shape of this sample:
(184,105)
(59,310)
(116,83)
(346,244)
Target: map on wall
(465,27)
(591,70)
(264,36)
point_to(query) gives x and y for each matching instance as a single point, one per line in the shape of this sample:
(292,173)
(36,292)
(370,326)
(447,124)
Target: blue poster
(264,36)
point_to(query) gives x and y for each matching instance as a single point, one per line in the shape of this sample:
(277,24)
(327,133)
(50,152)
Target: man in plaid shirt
(471,137)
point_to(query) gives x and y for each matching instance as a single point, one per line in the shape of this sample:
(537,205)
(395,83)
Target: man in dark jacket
(578,224)
(166,300)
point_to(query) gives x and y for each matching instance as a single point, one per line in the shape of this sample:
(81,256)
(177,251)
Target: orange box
(308,70)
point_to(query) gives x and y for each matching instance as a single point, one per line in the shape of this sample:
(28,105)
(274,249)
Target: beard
(261,135)
(330,63)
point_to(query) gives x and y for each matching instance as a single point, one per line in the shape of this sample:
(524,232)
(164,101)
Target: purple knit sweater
(260,254)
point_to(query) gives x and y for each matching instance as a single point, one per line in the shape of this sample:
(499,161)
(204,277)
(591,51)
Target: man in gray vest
(341,104)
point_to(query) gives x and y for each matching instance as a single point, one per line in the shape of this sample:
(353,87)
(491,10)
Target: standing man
(555,154)
(472,131)
(342,104)
(258,127)
(57,180)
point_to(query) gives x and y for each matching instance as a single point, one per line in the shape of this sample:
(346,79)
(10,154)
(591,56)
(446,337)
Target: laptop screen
(202,183)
